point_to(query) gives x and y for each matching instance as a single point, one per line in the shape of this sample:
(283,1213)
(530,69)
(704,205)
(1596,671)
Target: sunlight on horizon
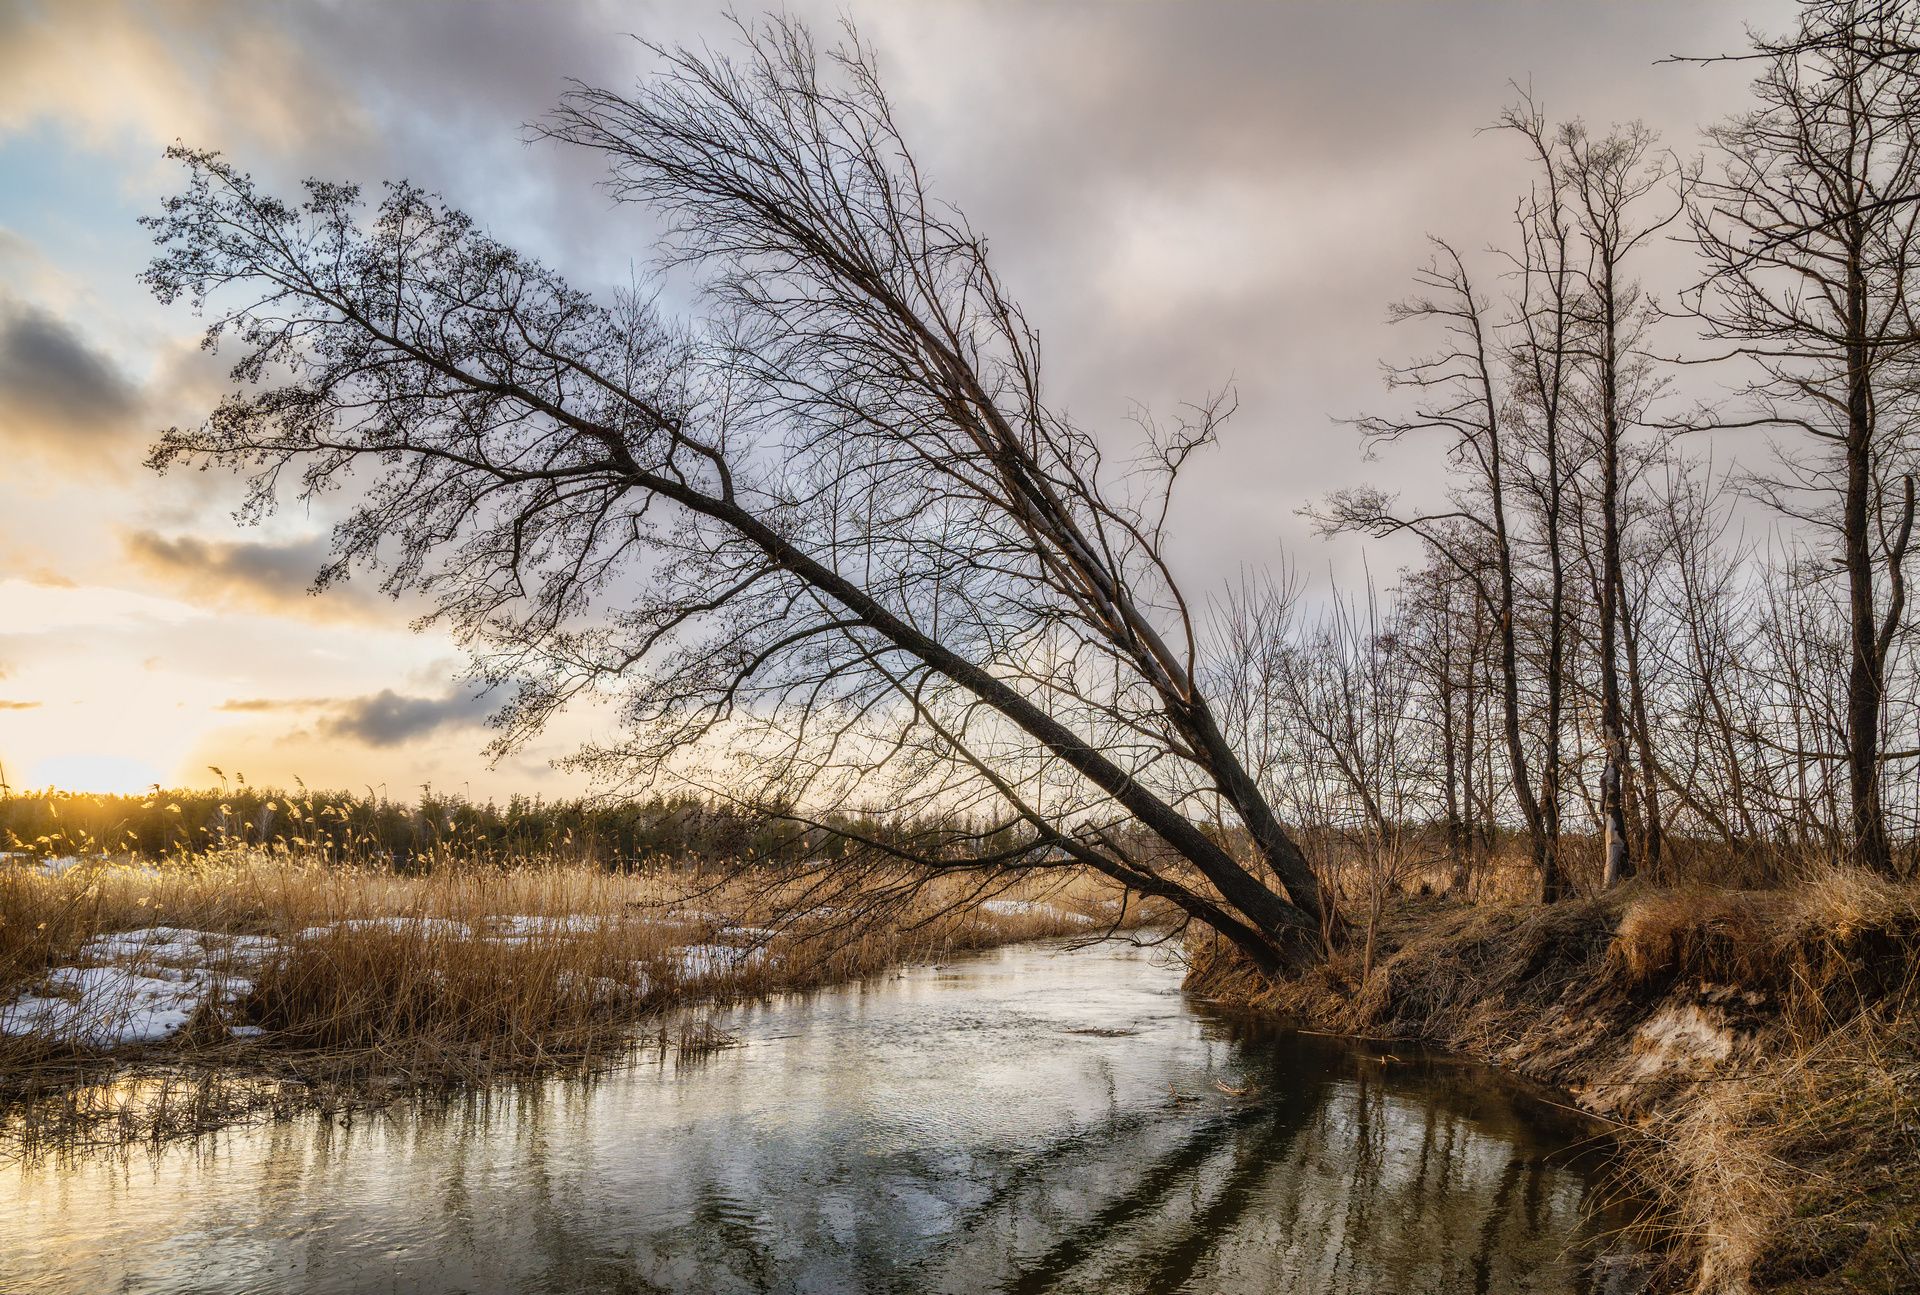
(100,774)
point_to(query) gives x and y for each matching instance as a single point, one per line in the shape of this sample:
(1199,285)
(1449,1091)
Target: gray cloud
(383,719)
(255,575)
(1182,195)
(389,719)
(1179,194)
(59,395)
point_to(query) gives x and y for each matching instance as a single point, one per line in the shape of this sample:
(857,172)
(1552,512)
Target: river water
(1035,1119)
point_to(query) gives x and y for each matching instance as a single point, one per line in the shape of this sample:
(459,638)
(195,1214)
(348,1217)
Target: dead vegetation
(1760,1049)
(144,1001)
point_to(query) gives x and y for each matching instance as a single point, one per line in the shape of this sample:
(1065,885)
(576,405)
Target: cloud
(389,719)
(60,396)
(19,705)
(382,719)
(274,578)
(211,72)
(1179,195)
(263,705)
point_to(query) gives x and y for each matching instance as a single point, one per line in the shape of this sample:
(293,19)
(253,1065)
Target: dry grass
(1798,1175)
(315,984)
(1799,1170)
(1762,1047)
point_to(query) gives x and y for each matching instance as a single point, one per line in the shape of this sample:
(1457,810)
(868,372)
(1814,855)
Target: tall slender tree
(1611,179)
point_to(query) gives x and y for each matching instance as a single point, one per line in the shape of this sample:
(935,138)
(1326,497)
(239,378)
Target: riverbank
(141,1001)
(1037,1118)
(1760,1051)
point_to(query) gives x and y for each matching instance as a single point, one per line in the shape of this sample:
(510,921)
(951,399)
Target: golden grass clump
(1698,931)
(1798,1175)
(1820,951)
(1796,1169)
(1760,1050)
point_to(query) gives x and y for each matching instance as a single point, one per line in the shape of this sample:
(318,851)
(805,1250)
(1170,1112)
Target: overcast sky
(1182,195)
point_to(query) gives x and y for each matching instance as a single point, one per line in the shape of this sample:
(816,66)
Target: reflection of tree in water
(1321,1182)
(1244,1137)
(813,1170)
(1322,1185)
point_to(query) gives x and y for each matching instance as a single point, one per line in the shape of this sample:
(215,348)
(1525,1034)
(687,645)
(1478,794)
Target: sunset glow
(148,637)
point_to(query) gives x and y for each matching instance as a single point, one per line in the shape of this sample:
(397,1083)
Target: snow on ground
(514,927)
(177,944)
(605,989)
(141,986)
(699,961)
(1028,907)
(145,985)
(105,1007)
(53,864)
(403,924)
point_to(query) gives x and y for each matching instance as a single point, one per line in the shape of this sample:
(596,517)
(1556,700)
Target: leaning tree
(831,527)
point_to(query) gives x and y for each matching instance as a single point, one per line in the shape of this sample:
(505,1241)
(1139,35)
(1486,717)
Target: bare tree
(1462,390)
(1541,357)
(834,529)
(1348,688)
(1610,179)
(1808,241)
(1447,658)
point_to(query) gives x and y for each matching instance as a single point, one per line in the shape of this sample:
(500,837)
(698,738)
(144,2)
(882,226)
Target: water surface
(1031,1120)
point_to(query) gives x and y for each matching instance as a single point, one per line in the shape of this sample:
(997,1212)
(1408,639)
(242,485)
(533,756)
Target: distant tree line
(434,828)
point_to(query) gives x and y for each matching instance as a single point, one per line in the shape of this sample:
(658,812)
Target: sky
(1183,197)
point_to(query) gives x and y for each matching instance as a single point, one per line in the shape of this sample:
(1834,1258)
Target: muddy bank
(1760,1051)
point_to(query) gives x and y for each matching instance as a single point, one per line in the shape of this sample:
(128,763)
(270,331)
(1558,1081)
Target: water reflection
(1033,1121)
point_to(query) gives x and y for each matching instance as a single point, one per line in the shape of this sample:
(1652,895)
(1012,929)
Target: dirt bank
(1761,1049)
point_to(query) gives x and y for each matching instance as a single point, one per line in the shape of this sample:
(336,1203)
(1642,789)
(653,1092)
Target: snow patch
(1678,1039)
(176,944)
(402,925)
(1032,908)
(700,961)
(510,928)
(106,1007)
(605,989)
(141,986)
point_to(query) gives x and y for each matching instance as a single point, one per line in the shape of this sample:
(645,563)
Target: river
(1033,1119)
